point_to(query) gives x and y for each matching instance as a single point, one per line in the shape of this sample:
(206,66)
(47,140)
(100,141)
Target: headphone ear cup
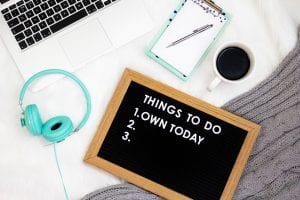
(33,119)
(57,129)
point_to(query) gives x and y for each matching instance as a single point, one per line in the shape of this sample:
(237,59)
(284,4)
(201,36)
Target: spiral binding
(210,7)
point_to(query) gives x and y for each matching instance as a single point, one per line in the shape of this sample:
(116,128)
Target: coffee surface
(233,63)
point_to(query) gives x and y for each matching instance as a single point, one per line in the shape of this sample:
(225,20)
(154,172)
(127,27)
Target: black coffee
(233,63)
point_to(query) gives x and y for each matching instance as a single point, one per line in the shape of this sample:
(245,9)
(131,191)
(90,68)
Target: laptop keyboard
(31,21)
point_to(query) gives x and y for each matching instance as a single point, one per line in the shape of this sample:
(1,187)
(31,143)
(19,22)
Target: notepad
(190,15)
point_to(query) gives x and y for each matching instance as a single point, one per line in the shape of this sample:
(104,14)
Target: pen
(195,32)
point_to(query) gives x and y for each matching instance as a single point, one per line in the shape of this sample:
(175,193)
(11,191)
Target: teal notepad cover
(183,58)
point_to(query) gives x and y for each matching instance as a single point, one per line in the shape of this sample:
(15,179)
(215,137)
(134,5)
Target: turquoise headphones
(57,128)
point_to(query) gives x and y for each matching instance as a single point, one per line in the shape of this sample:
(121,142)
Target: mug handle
(214,84)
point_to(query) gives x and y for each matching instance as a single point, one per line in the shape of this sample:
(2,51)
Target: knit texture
(123,191)
(273,169)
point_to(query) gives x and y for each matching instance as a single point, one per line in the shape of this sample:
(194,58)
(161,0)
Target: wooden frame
(128,76)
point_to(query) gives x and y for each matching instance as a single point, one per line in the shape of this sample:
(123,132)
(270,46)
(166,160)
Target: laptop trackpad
(85,42)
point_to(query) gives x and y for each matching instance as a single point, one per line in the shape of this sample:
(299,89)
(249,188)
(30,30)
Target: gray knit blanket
(273,169)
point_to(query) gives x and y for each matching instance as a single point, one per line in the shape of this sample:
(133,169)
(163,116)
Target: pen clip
(212,4)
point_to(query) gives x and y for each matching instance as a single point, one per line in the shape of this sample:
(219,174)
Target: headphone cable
(60,172)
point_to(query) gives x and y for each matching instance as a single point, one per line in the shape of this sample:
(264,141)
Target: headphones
(57,128)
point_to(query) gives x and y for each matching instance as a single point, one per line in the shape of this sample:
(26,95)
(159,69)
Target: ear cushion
(57,129)
(33,119)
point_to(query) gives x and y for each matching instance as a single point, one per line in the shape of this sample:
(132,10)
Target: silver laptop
(66,34)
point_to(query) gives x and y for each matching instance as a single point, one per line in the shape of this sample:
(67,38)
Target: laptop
(66,34)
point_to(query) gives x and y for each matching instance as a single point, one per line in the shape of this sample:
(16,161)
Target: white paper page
(185,55)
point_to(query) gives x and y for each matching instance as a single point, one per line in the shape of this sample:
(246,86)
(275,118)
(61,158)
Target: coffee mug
(233,63)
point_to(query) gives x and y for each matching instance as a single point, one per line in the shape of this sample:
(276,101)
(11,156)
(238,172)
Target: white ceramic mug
(219,78)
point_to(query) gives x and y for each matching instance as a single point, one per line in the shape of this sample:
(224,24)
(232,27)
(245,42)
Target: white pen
(195,32)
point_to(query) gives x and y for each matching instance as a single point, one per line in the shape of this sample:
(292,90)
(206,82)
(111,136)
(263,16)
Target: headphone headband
(68,74)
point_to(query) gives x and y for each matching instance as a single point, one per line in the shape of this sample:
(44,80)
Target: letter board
(170,143)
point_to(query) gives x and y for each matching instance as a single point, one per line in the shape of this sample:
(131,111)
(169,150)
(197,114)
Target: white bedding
(27,166)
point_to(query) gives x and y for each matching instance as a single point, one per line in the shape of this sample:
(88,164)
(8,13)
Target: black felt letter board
(171,143)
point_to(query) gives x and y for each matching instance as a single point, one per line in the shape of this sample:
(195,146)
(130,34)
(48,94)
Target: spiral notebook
(178,46)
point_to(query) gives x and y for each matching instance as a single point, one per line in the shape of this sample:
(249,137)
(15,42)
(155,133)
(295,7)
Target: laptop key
(29,14)
(50,21)
(30,41)
(3,1)
(12,7)
(22,18)
(72,9)
(37,10)
(13,22)
(22,44)
(79,5)
(71,1)
(20,37)
(91,9)
(46,32)
(42,24)
(35,20)
(42,16)
(35,28)
(44,6)
(50,12)
(15,12)
(7,16)
(86,2)
(28,32)
(37,2)
(22,9)
(29,5)
(64,13)
(28,23)
(4,11)
(20,3)
(57,17)
(51,3)
(64,4)
(37,37)
(57,8)
(99,4)
(107,2)
(67,21)
(18,29)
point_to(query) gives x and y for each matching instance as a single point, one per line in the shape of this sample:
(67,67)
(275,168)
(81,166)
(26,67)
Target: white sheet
(27,167)
(191,17)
